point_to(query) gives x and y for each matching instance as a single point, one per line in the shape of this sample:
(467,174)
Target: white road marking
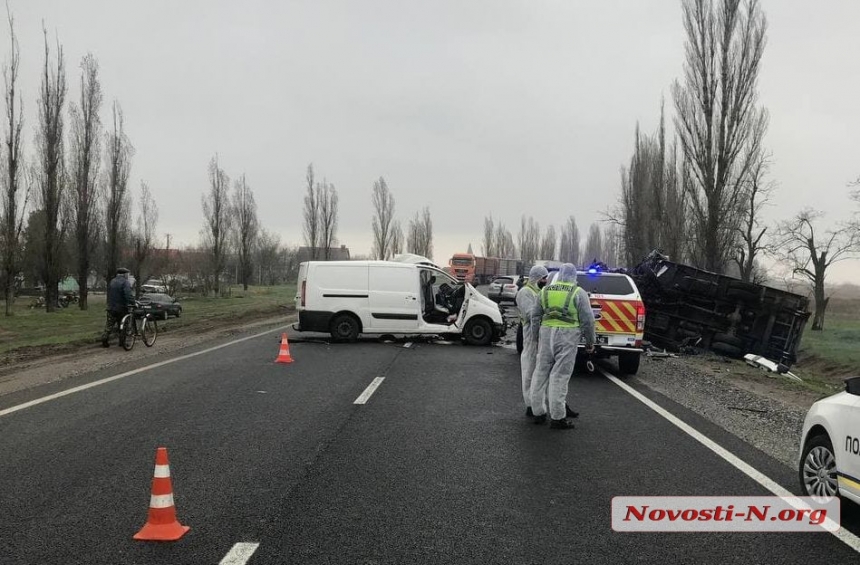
(371,388)
(239,554)
(844,535)
(93,384)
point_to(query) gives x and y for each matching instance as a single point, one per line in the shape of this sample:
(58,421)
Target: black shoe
(529,413)
(540,419)
(570,413)
(105,343)
(563,424)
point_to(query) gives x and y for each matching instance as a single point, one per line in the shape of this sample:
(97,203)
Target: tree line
(698,192)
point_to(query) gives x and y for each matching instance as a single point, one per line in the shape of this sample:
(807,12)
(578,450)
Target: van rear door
(394,302)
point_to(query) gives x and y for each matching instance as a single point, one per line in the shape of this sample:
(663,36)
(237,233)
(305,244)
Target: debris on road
(762,363)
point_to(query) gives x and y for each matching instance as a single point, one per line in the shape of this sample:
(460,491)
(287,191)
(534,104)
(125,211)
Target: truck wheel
(728,339)
(628,363)
(725,349)
(344,327)
(478,332)
(519,338)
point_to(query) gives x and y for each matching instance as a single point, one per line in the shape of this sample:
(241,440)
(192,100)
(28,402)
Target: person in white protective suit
(527,298)
(564,313)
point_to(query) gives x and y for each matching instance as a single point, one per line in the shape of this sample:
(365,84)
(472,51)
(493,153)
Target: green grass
(29,329)
(833,354)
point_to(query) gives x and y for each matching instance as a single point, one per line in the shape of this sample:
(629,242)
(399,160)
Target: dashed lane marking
(371,388)
(239,554)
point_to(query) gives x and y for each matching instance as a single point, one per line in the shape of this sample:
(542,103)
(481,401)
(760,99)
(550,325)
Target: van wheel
(344,327)
(628,363)
(478,332)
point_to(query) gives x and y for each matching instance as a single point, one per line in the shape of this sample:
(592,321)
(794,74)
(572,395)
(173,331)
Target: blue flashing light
(592,271)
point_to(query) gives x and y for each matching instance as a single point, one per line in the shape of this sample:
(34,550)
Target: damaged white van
(348,298)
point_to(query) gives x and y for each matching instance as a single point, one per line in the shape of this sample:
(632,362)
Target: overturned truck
(688,306)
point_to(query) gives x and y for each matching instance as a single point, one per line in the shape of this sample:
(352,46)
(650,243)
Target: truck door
(395,305)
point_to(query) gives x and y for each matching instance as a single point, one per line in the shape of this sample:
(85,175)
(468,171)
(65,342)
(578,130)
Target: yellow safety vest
(556,300)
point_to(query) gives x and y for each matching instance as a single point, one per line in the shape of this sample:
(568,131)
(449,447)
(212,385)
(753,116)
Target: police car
(830,446)
(619,316)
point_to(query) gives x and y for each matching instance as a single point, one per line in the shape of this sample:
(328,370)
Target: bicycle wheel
(126,332)
(149,332)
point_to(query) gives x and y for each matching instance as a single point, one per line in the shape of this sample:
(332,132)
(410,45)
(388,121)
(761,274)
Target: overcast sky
(470,107)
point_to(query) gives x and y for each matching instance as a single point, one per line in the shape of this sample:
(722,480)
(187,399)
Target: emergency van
(409,296)
(619,317)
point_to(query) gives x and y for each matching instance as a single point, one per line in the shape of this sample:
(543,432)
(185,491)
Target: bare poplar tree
(143,237)
(612,255)
(51,175)
(810,252)
(419,238)
(216,210)
(311,213)
(489,242)
(499,246)
(267,250)
(397,239)
(328,209)
(751,232)
(549,244)
(247,228)
(718,119)
(570,244)
(529,240)
(118,154)
(15,193)
(85,153)
(383,218)
(593,245)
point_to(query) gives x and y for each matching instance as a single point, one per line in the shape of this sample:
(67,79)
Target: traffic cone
(161,524)
(284,354)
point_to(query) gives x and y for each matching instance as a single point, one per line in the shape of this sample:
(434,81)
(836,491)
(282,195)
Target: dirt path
(50,368)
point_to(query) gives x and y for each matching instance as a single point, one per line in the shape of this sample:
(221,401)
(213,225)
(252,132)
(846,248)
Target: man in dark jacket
(120,301)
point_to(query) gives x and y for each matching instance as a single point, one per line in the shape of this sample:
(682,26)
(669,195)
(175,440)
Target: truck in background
(469,268)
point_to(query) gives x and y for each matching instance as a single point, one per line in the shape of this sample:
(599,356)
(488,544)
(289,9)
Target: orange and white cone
(161,524)
(284,354)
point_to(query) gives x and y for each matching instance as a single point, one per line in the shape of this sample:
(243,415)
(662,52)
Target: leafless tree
(719,122)
(751,232)
(489,242)
(267,250)
(419,239)
(570,244)
(216,210)
(247,227)
(549,244)
(529,240)
(397,239)
(505,246)
(612,254)
(85,153)
(593,245)
(15,192)
(328,203)
(651,210)
(810,252)
(119,153)
(311,213)
(51,174)
(143,238)
(383,218)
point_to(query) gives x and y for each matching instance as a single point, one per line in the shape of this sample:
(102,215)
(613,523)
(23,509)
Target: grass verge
(33,332)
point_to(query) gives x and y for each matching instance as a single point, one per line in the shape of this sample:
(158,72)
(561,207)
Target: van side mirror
(852,386)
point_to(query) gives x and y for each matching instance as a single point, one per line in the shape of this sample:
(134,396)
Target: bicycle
(129,330)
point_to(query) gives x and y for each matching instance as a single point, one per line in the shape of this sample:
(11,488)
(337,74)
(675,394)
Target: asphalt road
(439,466)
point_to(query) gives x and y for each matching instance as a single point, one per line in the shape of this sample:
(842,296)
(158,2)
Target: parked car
(153,286)
(829,462)
(503,288)
(348,298)
(161,305)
